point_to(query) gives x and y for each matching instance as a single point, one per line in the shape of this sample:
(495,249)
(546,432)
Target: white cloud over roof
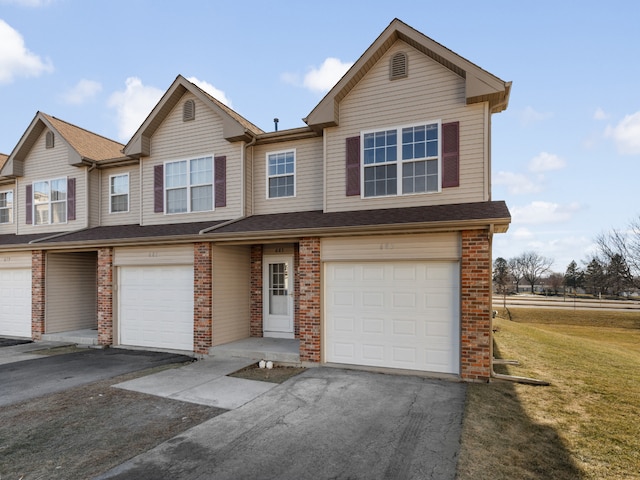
(319,79)
(132,105)
(626,134)
(539,212)
(15,59)
(211,90)
(517,183)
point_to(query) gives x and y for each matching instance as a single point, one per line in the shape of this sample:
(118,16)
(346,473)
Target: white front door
(277,311)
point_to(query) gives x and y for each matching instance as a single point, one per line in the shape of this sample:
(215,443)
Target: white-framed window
(6,206)
(401,160)
(281,174)
(119,193)
(189,185)
(50,201)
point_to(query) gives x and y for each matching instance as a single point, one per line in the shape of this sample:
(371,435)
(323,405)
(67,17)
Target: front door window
(278,297)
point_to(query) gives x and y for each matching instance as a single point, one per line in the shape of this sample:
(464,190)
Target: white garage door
(393,314)
(15,302)
(156,306)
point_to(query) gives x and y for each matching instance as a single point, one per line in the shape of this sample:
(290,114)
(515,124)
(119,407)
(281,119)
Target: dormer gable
(83,147)
(235,127)
(480,85)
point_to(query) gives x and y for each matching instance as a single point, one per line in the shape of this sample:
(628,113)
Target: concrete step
(275,349)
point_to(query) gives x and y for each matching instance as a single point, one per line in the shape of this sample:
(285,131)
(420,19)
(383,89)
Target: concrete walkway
(203,382)
(324,423)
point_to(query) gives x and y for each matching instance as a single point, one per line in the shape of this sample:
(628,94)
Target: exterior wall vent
(49,140)
(399,66)
(189,111)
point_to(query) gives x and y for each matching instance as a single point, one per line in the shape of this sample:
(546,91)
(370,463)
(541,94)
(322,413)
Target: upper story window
(119,193)
(401,161)
(6,206)
(50,201)
(281,174)
(189,185)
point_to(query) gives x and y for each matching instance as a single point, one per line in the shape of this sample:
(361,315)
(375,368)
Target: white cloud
(81,92)
(626,134)
(319,79)
(540,212)
(323,78)
(15,59)
(600,114)
(523,234)
(545,162)
(516,183)
(211,90)
(133,105)
(529,115)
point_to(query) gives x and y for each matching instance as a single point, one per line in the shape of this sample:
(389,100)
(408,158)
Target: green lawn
(586,425)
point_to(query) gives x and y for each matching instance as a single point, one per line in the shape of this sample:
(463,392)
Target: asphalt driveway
(323,424)
(37,377)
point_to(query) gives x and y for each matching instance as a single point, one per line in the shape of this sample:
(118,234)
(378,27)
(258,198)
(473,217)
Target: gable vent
(49,140)
(399,66)
(189,111)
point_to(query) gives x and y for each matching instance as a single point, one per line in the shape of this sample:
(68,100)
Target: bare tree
(555,281)
(625,244)
(501,277)
(534,266)
(516,270)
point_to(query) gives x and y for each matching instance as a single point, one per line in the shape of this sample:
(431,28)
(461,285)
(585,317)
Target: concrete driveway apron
(325,423)
(40,375)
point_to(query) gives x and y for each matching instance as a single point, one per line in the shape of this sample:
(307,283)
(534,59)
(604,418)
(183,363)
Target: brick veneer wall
(255,329)
(296,298)
(475,293)
(105,296)
(38,269)
(309,308)
(202,297)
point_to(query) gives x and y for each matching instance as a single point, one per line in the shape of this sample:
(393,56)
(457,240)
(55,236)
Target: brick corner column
(38,270)
(105,296)
(202,298)
(255,329)
(309,309)
(475,293)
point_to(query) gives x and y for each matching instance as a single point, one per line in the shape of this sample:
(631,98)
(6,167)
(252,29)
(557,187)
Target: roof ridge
(228,109)
(50,117)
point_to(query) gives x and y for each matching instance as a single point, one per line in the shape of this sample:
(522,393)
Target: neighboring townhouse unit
(365,235)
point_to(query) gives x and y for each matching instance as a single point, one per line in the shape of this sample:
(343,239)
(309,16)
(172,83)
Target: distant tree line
(613,270)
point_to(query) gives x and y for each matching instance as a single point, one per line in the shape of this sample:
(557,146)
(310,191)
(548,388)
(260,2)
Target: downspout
(253,141)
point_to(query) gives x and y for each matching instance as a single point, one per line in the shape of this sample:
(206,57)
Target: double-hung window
(281,174)
(119,193)
(6,206)
(402,160)
(50,201)
(189,185)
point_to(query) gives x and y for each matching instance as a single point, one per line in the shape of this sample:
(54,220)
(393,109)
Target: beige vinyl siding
(231,293)
(121,218)
(434,246)
(430,93)
(153,255)
(94,198)
(15,260)
(49,164)
(308,178)
(178,140)
(71,292)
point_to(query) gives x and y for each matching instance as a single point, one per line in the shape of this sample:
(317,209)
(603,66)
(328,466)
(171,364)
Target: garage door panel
(401,315)
(156,306)
(15,302)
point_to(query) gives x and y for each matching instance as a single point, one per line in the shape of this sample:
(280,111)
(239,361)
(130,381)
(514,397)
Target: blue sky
(566,153)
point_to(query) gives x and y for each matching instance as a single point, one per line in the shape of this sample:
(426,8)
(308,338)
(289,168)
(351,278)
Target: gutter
(57,235)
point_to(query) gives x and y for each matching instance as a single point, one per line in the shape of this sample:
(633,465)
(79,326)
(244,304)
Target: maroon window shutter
(451,154)
(353,166)
(158,188)
(29,203)
(71,199)
(221,181)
